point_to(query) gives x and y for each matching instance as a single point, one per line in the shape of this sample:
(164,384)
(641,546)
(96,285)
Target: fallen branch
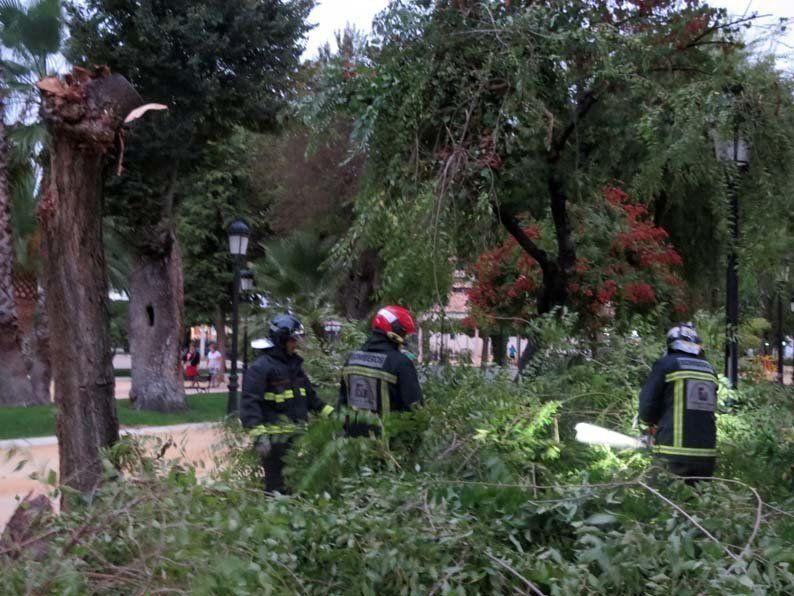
(529,584)
(694,522)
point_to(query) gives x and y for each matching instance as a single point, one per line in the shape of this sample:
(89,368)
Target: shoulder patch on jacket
(368,359)
(695,364)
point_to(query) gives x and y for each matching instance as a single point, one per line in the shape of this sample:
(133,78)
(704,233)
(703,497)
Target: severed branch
(533,588)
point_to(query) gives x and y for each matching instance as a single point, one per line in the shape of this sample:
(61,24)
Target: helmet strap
(396,338)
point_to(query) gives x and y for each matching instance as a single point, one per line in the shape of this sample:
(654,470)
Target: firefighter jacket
(680,399)
(277,396)
(379,378)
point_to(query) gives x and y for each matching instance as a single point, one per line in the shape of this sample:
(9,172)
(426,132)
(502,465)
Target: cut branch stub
(88,106)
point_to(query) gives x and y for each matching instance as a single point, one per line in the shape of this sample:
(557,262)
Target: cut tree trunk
(83,116)
(156,329)
(15,386)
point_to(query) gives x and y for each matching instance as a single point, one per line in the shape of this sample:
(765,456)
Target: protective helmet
(395,322)
(284,327)
(684,338)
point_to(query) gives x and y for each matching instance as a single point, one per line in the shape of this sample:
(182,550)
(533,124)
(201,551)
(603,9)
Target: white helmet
(684,338)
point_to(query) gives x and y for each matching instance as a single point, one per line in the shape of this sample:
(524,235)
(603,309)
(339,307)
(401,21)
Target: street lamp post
(238,247)
(246,285)
(733,150)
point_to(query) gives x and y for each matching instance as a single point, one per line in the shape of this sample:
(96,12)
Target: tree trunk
(499,351)
(484,352)
(83,121)
(532,349)
(40,368)
(156,329)
(357,293)
(15,388)
(34,335)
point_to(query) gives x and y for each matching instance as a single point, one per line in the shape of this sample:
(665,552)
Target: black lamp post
(733,150)
(238,247)
(246,285)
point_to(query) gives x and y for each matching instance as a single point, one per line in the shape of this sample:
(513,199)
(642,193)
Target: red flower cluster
(640,293)
(638,269)
(643,243)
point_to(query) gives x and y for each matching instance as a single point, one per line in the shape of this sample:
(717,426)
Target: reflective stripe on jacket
(379,378)
(680,398)
(277,396)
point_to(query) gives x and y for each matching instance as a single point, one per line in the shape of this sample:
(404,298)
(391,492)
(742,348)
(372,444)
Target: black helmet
(284,327)
(684,338)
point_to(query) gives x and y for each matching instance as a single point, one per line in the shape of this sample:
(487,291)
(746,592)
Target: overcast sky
(333,15)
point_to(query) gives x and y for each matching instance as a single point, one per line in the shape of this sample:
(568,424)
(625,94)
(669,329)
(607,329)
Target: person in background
(214,360)
(277,397)
(679,402)
(378,377)
(191,360)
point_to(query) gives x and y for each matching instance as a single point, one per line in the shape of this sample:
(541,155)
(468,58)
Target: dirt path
(197,443)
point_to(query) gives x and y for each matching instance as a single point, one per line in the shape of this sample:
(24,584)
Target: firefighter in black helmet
(277,397)
(679,398)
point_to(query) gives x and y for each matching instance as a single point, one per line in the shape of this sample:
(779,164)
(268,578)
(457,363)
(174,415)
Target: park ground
(27,465)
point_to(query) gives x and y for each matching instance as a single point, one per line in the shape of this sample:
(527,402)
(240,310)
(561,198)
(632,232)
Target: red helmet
(395,321)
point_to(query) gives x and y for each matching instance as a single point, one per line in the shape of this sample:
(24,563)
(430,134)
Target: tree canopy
(480,119)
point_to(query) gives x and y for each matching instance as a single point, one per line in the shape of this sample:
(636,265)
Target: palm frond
(26,140)
(292,271)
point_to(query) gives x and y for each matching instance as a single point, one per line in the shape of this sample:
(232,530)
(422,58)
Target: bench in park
(200,381)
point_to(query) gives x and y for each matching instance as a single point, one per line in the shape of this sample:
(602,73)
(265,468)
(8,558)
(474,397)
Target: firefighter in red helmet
(379,378)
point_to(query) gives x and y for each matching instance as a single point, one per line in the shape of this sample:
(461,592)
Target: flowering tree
(626,265)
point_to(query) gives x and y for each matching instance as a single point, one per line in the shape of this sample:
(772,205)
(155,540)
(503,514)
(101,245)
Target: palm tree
(294,276)
(30,36)
(16,389)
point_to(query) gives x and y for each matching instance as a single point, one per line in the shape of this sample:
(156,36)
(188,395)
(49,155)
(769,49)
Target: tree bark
(156,313)
(484,352)
(499,351)
(15,388)
(356,295)
(83,120)
(40,367)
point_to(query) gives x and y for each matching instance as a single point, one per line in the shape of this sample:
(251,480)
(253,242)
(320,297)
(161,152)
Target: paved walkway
(195,443)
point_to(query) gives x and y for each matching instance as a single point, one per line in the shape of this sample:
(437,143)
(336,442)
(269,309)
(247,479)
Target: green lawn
(39,421)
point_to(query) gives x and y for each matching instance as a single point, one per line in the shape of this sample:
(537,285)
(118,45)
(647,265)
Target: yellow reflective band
(257,431)
(678,414)
(282,397)
(683,375)
(275,429)
(326,411)
(369,372)
(686,451)
(385,400)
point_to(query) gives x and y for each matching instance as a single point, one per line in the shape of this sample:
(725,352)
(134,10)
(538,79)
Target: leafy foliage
(475,116)
(219,191)
(626,267)
(475,493)
(217,65)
